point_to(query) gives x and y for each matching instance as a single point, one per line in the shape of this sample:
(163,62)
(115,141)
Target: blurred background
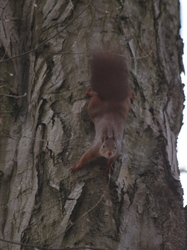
(182,139)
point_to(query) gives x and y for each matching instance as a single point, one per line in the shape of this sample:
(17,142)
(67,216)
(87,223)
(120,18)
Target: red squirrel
(108,107)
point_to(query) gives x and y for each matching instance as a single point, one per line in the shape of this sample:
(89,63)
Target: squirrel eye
(103,146)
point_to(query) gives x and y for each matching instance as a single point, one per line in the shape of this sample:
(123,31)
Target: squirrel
(108,107)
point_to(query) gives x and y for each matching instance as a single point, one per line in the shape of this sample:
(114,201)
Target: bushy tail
(109,76)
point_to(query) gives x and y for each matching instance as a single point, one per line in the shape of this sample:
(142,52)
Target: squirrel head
(108,148)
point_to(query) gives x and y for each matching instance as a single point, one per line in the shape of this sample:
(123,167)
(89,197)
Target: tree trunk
(45,128)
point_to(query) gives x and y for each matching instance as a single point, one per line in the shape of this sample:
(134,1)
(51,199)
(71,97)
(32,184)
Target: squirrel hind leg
(90,92)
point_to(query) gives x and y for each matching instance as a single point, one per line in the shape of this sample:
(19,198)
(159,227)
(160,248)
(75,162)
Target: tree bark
(44,127)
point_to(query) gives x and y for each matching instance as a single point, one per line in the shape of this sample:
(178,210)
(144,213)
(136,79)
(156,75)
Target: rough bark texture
(45,131)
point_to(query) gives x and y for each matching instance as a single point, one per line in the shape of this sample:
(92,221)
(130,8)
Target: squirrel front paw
(109,167)
(73,168)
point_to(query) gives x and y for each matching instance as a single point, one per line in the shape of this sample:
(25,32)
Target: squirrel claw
(132,97)
(91,93)
(73,168)
(109,168)
(88,91)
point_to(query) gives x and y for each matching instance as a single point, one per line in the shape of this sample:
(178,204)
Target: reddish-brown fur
(108,106)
